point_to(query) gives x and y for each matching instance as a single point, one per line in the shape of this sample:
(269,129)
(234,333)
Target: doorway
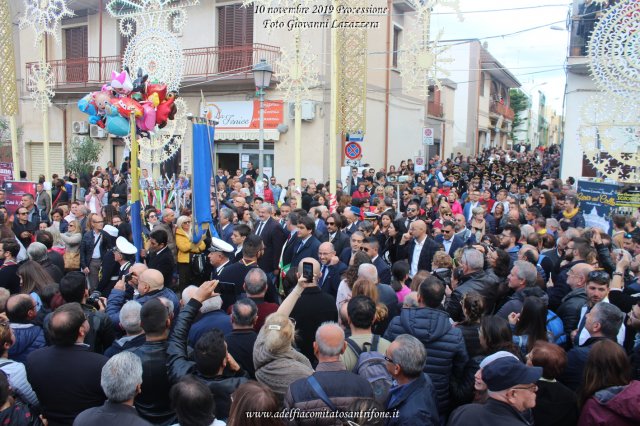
(229,162)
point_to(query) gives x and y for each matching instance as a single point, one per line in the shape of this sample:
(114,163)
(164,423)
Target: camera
(93,299)
(127,278)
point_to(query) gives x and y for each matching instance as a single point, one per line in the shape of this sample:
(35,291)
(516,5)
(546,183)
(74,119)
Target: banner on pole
(14,190)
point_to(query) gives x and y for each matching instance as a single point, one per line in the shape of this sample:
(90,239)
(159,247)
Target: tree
(5,140)
(519,103)
(83,154)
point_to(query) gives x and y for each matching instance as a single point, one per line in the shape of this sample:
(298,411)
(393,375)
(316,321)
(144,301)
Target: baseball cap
(504,373)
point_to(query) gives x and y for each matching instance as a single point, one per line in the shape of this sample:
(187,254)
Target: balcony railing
(235,62)
(435,109)
(502,109)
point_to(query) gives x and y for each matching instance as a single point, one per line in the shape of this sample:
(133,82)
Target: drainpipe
(99,45)
(387,83)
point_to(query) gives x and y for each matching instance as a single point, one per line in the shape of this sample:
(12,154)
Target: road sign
(427,135)
(418,164)
(355,136)
(353,150)
(353,163)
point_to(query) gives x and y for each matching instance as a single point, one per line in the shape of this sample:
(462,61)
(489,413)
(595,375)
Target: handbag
(72,260)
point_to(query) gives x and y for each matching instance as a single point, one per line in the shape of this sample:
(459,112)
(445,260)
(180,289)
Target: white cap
(220,245)
(111,230)
(125,247)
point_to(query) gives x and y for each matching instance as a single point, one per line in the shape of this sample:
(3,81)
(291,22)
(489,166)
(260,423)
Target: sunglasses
(599,276)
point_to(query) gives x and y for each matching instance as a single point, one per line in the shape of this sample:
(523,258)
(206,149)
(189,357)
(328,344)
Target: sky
(535,57)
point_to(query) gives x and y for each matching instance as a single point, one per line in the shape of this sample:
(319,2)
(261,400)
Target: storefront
(238,131)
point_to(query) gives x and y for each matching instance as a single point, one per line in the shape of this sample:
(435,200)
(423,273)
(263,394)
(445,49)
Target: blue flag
(202,174)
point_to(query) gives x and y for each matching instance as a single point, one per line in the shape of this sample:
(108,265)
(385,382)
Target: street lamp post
(262,72)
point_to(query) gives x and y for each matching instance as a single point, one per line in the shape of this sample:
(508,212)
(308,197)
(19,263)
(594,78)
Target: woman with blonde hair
(33,280)
(186,247)
(277,363)
(72,239)
(478,224)
(58,244)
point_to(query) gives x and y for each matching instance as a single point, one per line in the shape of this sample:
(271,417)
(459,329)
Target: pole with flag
(203,131)
(136,220)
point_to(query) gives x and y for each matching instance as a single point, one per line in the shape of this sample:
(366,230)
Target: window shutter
(235,30)
(76,52)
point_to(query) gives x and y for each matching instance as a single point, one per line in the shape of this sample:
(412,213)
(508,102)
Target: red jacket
(614,406)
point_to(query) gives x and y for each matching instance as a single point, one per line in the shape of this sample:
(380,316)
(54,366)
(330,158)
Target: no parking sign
(352,150)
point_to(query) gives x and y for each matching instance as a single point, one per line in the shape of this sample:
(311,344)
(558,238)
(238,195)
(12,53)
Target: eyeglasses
(530,388)
(187,221)
(412,210)
(22,213)
(330,223)
(151,216)
(365,249)
(96,222)
(444,231)
(386,358)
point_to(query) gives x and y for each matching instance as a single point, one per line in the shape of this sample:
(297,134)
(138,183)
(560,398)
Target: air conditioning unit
(307,109)
(80,127)
(98,132)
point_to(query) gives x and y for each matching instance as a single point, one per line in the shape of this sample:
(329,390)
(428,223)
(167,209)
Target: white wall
(579,90)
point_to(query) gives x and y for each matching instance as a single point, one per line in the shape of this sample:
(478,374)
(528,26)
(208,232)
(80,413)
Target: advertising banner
(597,203)
(244,115)
(6,172)
(14,190)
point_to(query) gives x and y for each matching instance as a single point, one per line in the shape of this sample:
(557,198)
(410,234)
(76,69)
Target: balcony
(200,64)
(501,109)
(435,109)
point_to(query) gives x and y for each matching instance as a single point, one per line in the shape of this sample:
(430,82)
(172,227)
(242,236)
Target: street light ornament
(40,85)
(44,16)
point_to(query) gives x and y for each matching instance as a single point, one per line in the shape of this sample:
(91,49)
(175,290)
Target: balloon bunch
(111,107)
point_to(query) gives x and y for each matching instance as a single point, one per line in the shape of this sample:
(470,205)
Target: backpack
(372,366)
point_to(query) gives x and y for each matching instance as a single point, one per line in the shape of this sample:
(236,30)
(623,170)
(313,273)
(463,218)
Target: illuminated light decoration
(614,49)
(159,53)
(40,85)
(420,61)
(44,16)
(8,87)
(296,71)
(609,132)
(164,143)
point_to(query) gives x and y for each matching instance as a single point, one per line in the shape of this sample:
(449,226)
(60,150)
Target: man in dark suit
(218,256)
(290,244)
(273,238)
(331,274)
(355,241)
(417,248)
(240,233)
(334,235)
(449,240)
(308,244)
(160,256)
(236,273)
(371,246)
(9,278)
(352,222)
(74,384)
(226,225)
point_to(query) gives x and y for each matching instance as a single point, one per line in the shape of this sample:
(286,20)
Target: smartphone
(226,287)
(307,271)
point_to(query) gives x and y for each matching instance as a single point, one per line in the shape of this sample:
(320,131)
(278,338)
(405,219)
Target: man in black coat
(308,244)
(232,277)
(355,241)
(371,246)
(160,256)
(92,249)
(74,384)
(242,338)
(331,274)
(273,238)
(334,235)
(212,365)
(449,240)
(9,249)
(417,248)
(312,309)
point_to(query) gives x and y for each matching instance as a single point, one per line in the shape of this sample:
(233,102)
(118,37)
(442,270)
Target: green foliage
(519,102)
(83,154)
(5,139)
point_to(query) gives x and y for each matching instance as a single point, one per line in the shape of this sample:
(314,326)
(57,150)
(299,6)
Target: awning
(245,135)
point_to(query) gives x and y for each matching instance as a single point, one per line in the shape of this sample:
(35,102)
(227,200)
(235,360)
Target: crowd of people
(471,292)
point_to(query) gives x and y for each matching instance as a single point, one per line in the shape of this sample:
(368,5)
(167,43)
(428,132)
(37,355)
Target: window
(397,31)
(76,48)
(482,81)
(235,29)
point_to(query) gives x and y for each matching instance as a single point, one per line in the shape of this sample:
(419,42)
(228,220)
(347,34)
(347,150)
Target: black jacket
(331,281)
(556,405)
(88,244)
(340,241)
(110,414)
(9,278)
(165,262)
(444,344)
(429,248)
(481,282)
(416,404)
(240,345)
(576,360)
(312,309)
(71,387)
(179,365)
(493,413)
(123,345)
(273,238)
(569,310)
(153,403)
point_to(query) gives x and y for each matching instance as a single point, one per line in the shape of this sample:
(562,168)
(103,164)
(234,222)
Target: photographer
(101,333)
